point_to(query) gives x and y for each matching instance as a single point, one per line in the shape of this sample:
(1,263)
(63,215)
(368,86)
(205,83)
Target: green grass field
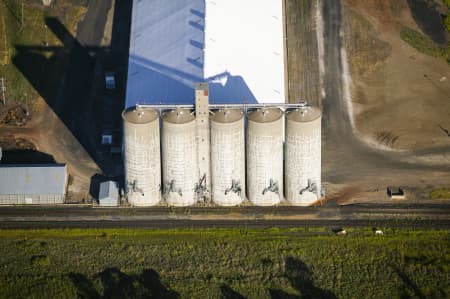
(32,32)
(224,263)
(424,44)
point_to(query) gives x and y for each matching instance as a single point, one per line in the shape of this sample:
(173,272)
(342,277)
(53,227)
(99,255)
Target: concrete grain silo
(179,157)
(228,157)
(265,156)
(142,156)
(303,156)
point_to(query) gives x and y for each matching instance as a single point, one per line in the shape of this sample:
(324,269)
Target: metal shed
(109,194)
(33,184)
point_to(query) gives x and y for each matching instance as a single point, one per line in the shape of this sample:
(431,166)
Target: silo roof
(304,114)
(139,116)
(265,115)
(178,116)
(235,46)
(33,179)
(227,115)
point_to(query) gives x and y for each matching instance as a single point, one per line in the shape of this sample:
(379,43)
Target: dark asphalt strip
(204,224)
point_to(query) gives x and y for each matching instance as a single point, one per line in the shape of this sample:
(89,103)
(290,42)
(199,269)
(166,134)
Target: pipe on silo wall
(179,157)
(265,156)
(228,157)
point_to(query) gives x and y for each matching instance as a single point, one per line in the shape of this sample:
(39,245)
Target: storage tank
(179,157)
(303,155)
(265,156)
(228,157)
(142,156)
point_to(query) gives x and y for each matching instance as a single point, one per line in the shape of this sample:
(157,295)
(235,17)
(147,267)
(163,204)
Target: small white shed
(109,194)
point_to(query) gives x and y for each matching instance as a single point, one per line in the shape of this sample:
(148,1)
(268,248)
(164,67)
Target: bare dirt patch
(46,134)
(401,98)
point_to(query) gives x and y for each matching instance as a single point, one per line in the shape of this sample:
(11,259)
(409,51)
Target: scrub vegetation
(424,44)
(443,193)
(23,24)
(224,263)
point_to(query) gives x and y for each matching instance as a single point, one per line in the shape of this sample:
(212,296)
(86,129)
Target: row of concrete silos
(260,151)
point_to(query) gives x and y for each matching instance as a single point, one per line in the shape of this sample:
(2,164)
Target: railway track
(380,215)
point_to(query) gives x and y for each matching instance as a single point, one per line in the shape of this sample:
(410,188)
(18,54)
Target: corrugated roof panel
(33,179)
(235,46)
(166,51)
(108,190)
(244,50)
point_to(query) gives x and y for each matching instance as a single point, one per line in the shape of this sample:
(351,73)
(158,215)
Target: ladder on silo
(203,141)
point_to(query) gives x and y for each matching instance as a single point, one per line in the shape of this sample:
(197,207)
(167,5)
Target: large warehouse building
(235,46)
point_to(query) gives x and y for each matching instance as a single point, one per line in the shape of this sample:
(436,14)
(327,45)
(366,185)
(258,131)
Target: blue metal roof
(166,51)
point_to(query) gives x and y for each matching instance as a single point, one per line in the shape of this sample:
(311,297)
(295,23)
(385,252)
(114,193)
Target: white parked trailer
(265,156)
(228,157)
(303,156)
(179,157)
(142,156)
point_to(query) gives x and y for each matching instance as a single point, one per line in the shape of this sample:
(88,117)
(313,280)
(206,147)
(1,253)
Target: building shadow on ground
(26,156)
(112,283)
(69,78)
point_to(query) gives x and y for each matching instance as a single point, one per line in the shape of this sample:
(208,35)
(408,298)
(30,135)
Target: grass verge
(443,193)
(424,44)
(33,32)
(214,263)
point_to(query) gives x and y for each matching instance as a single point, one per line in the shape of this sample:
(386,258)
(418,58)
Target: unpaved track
(91,28)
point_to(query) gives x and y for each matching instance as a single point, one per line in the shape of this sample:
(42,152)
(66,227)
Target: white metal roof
(236,46)
(244,41)
(33,179)
(108,190)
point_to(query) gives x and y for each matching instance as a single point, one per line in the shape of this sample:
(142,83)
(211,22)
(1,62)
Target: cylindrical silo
(179,157)
(228,157)
(303,156)
(142,156)
(265,156)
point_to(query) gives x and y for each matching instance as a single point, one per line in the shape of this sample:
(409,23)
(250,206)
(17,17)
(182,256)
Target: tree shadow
(152,281)
(85,288)
(429,20)
(409,283)
(116,284)
(229,293)
(301,279)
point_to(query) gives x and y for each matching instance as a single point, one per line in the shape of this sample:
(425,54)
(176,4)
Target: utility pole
(21,16)
(3,89)
(45,39)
